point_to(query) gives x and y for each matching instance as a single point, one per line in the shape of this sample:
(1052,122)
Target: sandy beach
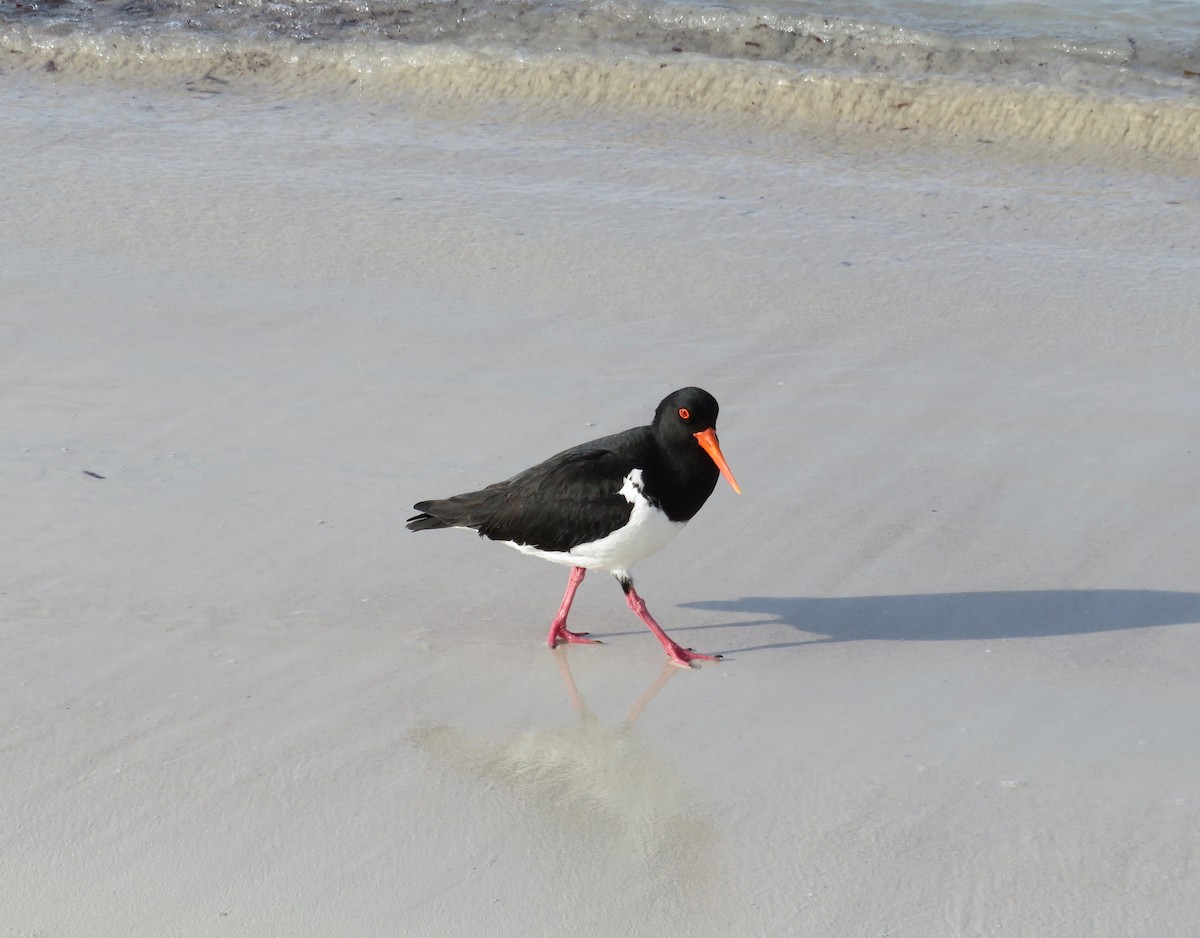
(957,600)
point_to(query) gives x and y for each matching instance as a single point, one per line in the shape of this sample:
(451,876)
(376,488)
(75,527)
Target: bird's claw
(683,657)
(567,637)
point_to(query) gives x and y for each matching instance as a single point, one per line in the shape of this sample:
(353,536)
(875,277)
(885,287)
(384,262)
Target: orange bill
(708,440)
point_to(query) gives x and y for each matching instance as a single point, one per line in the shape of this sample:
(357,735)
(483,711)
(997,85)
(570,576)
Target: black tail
(426,521)
(440,513)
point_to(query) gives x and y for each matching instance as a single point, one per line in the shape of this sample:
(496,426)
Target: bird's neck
(681,481)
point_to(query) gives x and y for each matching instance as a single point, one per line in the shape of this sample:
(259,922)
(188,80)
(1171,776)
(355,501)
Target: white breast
(647,531)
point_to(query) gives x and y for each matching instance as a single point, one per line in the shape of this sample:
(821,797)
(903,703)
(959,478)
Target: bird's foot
(682,657)
(560,633)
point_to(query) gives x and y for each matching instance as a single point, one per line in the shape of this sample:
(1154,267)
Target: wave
(777,66)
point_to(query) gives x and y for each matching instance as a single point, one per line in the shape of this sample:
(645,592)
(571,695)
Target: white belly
(647,531)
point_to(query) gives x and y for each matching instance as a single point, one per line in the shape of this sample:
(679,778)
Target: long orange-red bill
(708,440)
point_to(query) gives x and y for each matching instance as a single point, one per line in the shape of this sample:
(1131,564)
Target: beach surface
(958,604)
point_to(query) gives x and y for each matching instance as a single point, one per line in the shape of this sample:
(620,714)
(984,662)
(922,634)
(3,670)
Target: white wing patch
(648,531)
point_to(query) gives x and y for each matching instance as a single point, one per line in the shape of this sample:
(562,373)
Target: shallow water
(1119,76)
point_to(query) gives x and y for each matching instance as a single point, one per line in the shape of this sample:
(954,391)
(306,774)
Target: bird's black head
(688,417)
(686,411)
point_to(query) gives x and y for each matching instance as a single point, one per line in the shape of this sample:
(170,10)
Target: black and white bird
(603,505)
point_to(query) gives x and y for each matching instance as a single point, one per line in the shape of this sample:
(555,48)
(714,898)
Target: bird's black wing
(571,498)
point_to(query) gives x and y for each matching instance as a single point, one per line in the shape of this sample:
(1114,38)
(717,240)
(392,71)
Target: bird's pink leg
(558,630)
(683,657)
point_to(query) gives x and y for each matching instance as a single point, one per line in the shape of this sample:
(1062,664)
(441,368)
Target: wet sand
(957,600)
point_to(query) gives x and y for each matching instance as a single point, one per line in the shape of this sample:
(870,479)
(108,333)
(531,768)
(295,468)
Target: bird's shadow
(953,616)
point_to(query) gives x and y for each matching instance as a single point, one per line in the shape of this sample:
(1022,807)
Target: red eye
(683,412)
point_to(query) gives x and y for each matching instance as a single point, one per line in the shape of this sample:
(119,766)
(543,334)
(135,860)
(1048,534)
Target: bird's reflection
(639,705)
(607,788)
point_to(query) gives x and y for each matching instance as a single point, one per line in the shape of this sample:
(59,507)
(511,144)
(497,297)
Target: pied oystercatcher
(603,505)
